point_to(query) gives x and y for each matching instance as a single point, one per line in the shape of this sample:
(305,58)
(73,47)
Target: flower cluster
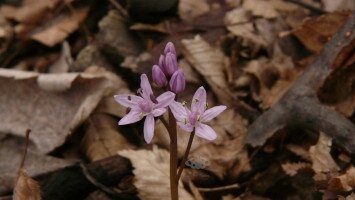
(148,106)
(167,69)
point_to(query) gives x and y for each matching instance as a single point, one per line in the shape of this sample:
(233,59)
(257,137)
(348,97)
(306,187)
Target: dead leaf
(115,37)
(211,64)
(275,77)
(52,105)
(344,182)
(331,5)
(6,34)
(238,22)
(56,30)
(314,33)
(31,11)
(260,8)
(190,9)
(102,138)
(26,188)
(320,155)
(133,62)
(151,168)
(291,169)
(90,56)
(64,62)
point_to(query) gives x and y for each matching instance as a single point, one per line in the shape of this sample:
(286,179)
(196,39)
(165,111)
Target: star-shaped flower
(196,118)
(145,105)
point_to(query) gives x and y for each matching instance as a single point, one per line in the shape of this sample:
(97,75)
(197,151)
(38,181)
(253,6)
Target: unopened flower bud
(177,82)
(169,48)
(170,64)
(159,77)
(161,62)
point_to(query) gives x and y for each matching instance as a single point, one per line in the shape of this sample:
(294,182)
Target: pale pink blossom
(145,105)
(196,118)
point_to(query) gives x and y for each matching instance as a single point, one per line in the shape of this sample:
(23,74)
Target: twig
(120,9)
(187,151)
(216,189)
(300,107)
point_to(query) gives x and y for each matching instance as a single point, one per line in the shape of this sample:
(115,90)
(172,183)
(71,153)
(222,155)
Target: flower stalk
(186,155)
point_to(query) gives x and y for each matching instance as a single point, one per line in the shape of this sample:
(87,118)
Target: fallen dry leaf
(102,138)
(238,22)
(151,170)
(55,31)
(322,161)
(52,105)
(344,182)
(188,10)
(115,36)
(275,76)
(331,5)
(314,33)
(211,64)
(30,11)
(260,8)
(26,188)
(64,61)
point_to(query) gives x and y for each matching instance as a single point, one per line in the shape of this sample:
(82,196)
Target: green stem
(187,151)
(173,157)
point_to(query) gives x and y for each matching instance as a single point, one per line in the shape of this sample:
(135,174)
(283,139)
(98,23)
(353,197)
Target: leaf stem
(25,150)
(187,151)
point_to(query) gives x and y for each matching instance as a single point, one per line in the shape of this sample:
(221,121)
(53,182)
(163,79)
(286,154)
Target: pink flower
(177,82)
(195,118)
(158,76)
(144,105)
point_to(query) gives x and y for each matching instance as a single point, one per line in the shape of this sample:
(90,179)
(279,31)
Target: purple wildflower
(169,47)
(144,105)
(195,118)
(170,64)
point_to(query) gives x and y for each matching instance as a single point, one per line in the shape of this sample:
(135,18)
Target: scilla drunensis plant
(168,76)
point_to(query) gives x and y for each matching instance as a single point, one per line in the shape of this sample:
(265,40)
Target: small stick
(215,189)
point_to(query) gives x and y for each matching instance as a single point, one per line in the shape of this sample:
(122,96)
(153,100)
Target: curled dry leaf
(211,64)
(291,169)
(151,170)
(190,9)
(320,155)
(52,105)
(26,188)
(64,62)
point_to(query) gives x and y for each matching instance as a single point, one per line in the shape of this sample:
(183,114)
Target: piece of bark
(300,107)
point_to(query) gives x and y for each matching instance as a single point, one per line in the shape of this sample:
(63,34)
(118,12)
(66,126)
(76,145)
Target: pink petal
(199,100)
(145,86)
(128,100)
(185,127)
(131,117)
(158,111)
(205,131)
(178,110)
(149,128)
(211,113)
(165,99)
